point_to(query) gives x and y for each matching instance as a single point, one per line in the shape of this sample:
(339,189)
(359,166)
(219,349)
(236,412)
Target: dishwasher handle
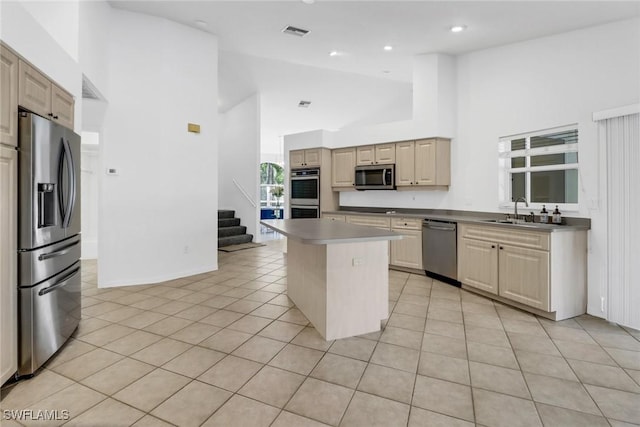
(437,225)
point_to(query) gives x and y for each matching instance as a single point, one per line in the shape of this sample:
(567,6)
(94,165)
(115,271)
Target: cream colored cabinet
(343,162)
(370,221)
(424,162)
(375,154)
(541,270)
(305,158)
(8,262)
(62,105)
(523,276)
(334,217)
(39,94)
(407,252)
(510,263)
(405,163)
(9,98)
(478,264)
(34,90)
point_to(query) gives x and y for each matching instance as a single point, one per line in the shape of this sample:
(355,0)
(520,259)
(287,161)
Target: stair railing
(244,193)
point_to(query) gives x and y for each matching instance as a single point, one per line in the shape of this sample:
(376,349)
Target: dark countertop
(482,218)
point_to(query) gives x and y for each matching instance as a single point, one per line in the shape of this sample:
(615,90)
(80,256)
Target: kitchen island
(337,274)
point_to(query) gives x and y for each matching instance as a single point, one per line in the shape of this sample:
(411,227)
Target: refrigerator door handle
(66,158)
(62,251)
(60,283)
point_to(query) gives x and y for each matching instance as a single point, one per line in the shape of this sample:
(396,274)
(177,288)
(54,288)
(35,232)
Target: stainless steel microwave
(376,177)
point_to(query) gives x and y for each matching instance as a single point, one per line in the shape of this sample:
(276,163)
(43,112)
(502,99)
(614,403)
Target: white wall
(60,19)
(90,170)
(25,34)
(240,151)
(94,31)
(158,215)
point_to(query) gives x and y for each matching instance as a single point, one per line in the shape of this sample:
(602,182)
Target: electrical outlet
(186,250)
(602,304)
(357,261)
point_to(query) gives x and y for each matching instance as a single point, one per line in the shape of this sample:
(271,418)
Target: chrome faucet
(519,199)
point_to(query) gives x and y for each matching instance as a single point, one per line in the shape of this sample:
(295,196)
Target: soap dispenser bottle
(544,215)
(557,217)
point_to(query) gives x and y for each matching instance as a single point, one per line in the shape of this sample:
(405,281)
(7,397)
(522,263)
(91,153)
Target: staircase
(230,232)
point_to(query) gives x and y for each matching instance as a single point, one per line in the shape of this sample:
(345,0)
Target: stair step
(231,231)
(234,240)
(224,213)
(228,222)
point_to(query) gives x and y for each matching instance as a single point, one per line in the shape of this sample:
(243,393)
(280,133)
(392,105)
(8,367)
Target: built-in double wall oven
(305,193)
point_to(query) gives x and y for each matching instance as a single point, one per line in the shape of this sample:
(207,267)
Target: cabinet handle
(55,117)
(50,114)
(501,248)
(493,246)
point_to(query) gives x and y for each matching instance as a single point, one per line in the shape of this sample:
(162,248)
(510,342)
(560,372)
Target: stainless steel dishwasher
(440,250)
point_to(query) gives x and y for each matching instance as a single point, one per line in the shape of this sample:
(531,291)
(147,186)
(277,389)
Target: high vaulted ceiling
(363,83)
(358,30)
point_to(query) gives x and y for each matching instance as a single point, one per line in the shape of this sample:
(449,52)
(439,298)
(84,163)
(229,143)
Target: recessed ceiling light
(458,28)
(308,1)
(387,47)
(333,53)
(200,23)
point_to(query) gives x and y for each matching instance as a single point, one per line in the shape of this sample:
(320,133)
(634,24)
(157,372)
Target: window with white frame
(542,167)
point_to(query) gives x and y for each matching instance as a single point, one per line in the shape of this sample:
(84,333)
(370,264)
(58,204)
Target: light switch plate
(112,171)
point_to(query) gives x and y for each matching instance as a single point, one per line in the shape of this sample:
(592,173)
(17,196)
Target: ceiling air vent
(89,91)
(304,104)
(295,31)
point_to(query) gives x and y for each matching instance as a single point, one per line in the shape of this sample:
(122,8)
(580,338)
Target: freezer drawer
(49,313)
(40,264)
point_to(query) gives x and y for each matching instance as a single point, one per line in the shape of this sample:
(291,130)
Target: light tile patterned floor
(228,348)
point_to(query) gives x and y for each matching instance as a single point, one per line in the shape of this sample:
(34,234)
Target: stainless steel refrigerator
(49,277)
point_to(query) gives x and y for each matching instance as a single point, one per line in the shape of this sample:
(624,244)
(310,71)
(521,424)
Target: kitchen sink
(505,221)
(519,223)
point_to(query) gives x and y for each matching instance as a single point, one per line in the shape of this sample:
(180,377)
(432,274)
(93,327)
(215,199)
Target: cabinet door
(34,90)
(9,98)
(425,162)
(296,158)
(385,153)
(8,263)
(478,264)
(524,276)
(62,106)
(405,163)
(312,157)
(365,155)
(407,252)
(343,162)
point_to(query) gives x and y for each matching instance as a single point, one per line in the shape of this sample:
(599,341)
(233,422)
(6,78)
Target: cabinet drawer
(332,217)
(406,223)
(509,236)
(371,221)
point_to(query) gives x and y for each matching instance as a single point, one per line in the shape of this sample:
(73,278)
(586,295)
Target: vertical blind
(621,136)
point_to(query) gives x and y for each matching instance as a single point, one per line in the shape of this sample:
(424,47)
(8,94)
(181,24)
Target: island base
(342,288)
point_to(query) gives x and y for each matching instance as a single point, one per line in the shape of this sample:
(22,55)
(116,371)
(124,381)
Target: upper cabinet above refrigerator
(39,94)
